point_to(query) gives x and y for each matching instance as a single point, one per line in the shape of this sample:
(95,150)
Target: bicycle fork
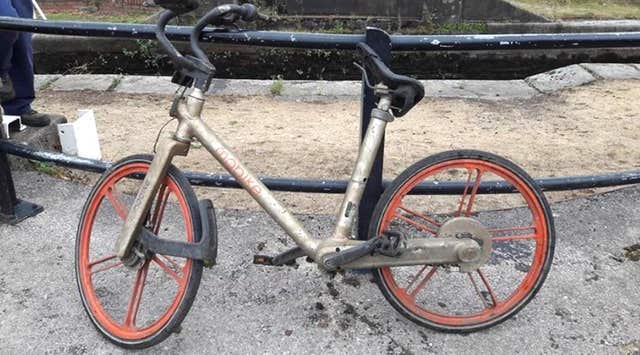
(167,149)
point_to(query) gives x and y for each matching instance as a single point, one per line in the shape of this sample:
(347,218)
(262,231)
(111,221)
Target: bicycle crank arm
(467,253)
(334,260)
(206,249)
(288,257)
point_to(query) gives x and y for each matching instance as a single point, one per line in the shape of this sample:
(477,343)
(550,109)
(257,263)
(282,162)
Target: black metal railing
(331,186)
(331,41)
(377,39)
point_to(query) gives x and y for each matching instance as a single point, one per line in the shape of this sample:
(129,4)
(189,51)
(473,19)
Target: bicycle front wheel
(519,226)
(138,305)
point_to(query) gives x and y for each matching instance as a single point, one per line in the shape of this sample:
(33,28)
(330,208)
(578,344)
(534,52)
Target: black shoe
(6,88)
(34,118)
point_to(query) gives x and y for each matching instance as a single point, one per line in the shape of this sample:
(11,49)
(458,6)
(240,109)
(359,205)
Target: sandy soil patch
(590,129)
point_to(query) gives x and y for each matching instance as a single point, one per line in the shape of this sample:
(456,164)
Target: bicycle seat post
(369,147)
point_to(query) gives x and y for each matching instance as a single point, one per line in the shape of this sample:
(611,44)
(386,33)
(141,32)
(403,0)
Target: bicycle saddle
(406,92)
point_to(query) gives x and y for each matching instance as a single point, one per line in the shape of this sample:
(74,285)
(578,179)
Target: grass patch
(131,16)
(114,83)
(462,27)
(49,169)
(276,87)
(582,9)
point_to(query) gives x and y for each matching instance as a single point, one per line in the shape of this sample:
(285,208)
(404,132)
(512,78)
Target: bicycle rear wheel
(137,306)
(519,226)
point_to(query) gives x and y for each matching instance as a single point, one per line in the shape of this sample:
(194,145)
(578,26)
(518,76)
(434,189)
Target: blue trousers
(16,58)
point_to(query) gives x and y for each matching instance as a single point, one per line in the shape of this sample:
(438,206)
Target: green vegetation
(131,16)
(146,51)
(48,168)
(462,27)
(276,87)
(114,83)
(338,27)
(582,9)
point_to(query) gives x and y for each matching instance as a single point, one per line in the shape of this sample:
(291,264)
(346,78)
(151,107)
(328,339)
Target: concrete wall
(496,10)
(439,11)
(65,54)
(379,8)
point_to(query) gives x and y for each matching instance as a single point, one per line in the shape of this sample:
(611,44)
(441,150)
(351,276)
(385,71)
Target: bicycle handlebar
(176,57)
(220,15)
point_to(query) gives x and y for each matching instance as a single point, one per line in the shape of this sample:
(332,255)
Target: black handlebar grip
(216,16)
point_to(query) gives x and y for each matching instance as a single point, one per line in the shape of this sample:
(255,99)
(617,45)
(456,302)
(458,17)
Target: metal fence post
(380,41)
(12,209)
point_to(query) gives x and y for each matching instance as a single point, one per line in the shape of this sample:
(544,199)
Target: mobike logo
(253,187)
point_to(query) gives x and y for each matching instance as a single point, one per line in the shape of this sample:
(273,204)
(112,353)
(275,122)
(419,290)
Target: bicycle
(433,228)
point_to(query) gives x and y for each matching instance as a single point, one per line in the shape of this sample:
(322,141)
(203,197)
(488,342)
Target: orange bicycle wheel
(520,227)
(141,304)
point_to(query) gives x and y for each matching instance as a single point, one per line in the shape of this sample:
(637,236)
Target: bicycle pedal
(263,260)
(288,257)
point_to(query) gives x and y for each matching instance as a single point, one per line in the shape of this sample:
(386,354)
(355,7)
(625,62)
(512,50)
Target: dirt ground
(590,129)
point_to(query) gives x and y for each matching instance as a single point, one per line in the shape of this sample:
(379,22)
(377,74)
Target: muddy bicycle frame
(190,125)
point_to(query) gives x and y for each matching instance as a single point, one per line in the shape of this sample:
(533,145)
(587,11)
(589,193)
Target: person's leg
(21,74)
(21,70)
(7,40)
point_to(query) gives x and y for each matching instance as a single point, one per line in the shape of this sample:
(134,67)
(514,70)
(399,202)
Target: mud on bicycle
(444,254)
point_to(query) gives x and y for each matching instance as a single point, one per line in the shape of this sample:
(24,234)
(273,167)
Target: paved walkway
(544,83)
(589,304)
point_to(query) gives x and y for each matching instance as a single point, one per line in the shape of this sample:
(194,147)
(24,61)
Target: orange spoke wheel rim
(502,306)
(126,329)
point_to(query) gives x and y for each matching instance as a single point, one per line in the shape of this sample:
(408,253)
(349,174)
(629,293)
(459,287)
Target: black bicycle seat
(406,91)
